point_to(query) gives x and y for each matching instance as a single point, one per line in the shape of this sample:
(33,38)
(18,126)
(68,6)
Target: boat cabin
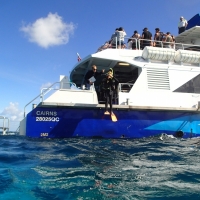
(150,71)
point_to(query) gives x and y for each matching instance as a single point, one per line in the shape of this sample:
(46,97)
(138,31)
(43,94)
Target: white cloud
(49,31)
(12,110)
(14,114)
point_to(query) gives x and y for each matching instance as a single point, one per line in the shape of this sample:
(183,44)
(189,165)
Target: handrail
(49,89)
(4,127)
(121,84)
(162,43)
(139,42)
(41,95)
(36,98)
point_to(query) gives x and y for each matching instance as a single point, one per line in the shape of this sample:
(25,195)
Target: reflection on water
(151,168)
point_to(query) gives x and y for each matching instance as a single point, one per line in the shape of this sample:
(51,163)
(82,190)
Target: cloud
(14,114)
(49,31)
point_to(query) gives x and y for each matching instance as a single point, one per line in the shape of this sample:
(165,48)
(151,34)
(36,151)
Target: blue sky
(39,39)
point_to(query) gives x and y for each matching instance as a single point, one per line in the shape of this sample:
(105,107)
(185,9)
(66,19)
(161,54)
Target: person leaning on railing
(112,41)
(120,38)
(158,38)
(133,42)
(173,41)
(146,38)
(167,41)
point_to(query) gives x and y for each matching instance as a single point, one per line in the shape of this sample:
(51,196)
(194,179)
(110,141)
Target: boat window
(192,86)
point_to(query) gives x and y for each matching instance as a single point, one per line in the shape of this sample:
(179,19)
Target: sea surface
(79,168)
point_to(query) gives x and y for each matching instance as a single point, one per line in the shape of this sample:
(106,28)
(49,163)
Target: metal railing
(44,91)
(114,44)
(121,87)
(4,127)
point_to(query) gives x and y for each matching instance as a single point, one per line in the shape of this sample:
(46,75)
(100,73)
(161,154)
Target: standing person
(147,38)
(108,87)
(113,38)
(167,41)
(173,41)
(114,35)
(91,76)
(135,40)
(116,83)
(182,25)
(158,38)
(120,38)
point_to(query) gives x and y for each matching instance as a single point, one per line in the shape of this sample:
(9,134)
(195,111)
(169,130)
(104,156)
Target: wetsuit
(108,87)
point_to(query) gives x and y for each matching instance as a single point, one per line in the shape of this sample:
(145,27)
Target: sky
(39,39)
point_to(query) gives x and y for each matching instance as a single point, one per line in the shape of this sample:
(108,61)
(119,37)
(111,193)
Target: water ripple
(80,168)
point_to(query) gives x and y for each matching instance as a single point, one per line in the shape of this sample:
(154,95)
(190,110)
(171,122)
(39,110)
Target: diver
(108,86)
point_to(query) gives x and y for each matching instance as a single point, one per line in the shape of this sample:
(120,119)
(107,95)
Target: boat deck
(116,107)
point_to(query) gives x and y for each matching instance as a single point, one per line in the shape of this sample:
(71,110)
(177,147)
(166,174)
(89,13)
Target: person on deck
(91,76)
(120,38)
(133,42)
(167,41)
(158,38)
(182,25)
(173,41)
(147,38)
(113,38)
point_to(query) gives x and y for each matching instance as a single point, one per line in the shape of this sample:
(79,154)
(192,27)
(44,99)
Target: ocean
(83,169)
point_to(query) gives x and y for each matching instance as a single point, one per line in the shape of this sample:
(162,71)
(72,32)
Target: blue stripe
(81,122)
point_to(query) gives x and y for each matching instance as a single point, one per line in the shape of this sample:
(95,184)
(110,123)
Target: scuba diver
(108,86)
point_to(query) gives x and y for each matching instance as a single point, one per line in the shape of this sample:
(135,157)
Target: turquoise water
(69,169)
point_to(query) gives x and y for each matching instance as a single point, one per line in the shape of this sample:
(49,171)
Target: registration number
(47,119)
(44,134)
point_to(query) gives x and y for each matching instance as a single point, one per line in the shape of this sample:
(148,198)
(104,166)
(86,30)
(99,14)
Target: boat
(158,93)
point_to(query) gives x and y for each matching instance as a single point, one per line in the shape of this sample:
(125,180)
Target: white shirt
(120,35)
(182,23)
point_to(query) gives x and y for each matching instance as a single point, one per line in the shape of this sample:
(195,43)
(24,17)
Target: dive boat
(158,92)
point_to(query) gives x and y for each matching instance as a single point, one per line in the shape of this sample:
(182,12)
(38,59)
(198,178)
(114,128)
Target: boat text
(44,134)
(47,119)
(47,113)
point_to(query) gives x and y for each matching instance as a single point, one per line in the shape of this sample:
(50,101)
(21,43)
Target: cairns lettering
(46,113)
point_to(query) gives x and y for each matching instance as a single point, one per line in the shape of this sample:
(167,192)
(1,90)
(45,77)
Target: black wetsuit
(108,87)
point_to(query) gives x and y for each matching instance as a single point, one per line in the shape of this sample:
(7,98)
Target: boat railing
(5,124)
(139,44)
(125,87)
(45,91)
